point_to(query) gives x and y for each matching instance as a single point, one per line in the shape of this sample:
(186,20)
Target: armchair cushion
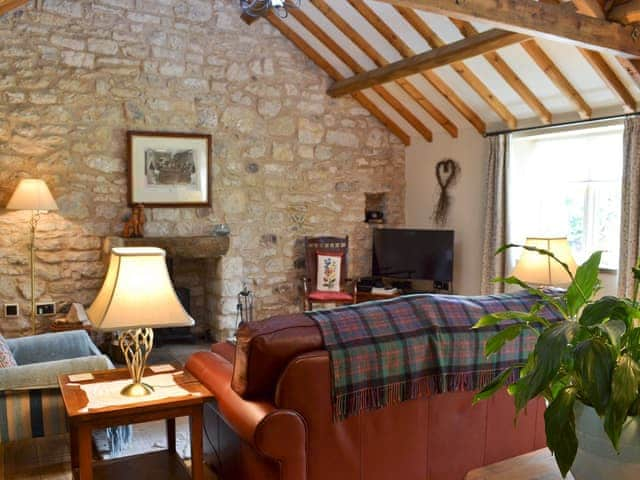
(6,357)
(319,296)
(50,347)
(38,376)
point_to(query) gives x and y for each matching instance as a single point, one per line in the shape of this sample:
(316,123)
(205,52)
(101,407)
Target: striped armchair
(30,401)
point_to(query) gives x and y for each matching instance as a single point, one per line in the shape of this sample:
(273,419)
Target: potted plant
(586,366)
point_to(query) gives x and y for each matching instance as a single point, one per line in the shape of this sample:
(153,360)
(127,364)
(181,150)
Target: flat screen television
(413,254)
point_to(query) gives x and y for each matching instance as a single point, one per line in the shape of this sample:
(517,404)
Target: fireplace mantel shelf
(176,247)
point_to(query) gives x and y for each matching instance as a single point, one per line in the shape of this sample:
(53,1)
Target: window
(568,184)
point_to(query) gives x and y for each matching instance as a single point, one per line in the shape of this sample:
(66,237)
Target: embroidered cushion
(6,357)
(329,265)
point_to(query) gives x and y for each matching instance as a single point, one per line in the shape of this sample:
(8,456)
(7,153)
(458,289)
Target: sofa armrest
(276,433)
(45,374)
(52,346)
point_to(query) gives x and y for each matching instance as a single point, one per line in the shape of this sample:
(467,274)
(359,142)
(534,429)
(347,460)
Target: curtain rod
(563,124)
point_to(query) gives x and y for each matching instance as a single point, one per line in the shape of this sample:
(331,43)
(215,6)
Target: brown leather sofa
(272,418)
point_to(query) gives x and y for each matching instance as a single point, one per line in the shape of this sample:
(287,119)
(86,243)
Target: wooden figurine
(135,225)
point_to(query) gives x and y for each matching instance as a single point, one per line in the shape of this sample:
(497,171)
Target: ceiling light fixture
(260,8)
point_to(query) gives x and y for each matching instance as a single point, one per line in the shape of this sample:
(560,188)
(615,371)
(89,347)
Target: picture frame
(169,169)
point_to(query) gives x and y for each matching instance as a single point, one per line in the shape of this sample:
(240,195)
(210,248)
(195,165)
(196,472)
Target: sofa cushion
(6,357)
(320,296)
(265,348)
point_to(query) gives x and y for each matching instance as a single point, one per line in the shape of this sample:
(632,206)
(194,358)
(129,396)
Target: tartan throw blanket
(390,351)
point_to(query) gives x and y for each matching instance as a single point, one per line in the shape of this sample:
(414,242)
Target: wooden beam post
(560,23)
(439,57)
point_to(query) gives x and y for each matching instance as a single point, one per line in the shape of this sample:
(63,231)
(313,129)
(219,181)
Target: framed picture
(169,169)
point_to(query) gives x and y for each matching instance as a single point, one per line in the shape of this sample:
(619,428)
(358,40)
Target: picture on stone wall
(168,169)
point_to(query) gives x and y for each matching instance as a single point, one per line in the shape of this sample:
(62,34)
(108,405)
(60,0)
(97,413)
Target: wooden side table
(157,465)
(538,465)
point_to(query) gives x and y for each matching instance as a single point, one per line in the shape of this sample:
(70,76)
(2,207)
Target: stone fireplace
(197,264)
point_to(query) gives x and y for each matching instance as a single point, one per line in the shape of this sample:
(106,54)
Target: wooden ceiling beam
(449,54)
(625,12)
(557,77)
(592,8)
(8,5)
(507,73)
(560,23)
(408,87)
(610,78)
(316,58)
(405,51)
(350,62)
(436,43)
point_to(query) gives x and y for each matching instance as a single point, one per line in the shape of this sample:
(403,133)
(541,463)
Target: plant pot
(596,458)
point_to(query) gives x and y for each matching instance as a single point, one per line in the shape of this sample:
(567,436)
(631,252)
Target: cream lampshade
(538,269)
(34,195)
(137,295)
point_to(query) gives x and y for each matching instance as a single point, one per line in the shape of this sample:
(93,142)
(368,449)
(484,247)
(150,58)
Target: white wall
(466,213)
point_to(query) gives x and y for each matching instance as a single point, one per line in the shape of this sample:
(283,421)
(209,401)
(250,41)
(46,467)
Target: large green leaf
(593,365)
(548,352)
(493,386)
(499,317)
(584,284)
(560,427)
(624,392)
(555,302)
(604,309)
(615,329)
(496,342)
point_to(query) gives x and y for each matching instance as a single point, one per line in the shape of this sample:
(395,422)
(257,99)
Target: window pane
(568,184)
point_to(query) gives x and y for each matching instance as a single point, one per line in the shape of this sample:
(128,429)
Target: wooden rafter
(557,78)
(450,54)
(592,8)
(625,12)
(436,43)
(408,87)
(560,23)
(316,58)
(8,5)
(599,63)
(349,61)
(511,77)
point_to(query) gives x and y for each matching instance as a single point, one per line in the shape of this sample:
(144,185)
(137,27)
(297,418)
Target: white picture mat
(141,192)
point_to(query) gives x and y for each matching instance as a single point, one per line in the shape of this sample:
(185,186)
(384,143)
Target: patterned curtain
(630,211)
(495,225)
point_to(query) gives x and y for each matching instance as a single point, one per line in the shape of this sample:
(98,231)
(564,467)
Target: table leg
(197,471)
(171,434)
(85,447)
(73,445)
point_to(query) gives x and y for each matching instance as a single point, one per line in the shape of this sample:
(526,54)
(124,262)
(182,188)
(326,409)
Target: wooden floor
(49,458)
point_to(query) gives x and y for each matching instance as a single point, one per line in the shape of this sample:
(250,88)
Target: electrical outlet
(11,310)
(45,309)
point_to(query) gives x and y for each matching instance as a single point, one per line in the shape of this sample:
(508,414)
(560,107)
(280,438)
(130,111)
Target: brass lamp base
(136,345)
(136,390)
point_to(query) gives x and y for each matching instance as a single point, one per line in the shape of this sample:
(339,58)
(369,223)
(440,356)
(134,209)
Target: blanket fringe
(353,403)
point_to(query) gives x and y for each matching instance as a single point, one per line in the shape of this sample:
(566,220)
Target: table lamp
(136,296)
(32,194)
(537,269)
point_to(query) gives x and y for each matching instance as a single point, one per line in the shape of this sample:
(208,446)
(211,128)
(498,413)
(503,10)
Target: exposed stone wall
(288,161)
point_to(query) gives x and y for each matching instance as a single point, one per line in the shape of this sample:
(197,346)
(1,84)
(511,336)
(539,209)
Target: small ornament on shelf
(134,228)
